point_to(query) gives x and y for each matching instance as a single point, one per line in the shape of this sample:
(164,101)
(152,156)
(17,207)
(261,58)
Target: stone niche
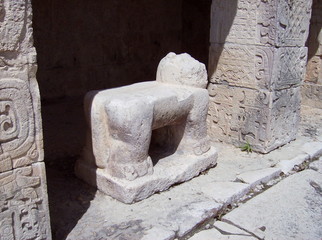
(145,137)
(24,210)
(257,62)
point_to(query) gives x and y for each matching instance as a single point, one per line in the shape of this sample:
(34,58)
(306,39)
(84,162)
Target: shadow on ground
(69,199)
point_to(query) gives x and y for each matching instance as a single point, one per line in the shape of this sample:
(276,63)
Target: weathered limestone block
(264,119)
(147,136)
(12,21)
(314,70)
(312,87)
(24,210)
(257,55)
(18,145)
(276,22)
(257,67)
(312,95)
(24,204)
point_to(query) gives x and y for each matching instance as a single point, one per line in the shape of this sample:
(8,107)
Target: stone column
(312,87)
(256,64)
(23,196)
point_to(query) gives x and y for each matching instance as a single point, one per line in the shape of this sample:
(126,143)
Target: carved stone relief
(233,21)
(260,117)
(261,22)
(289,67)
(17,136)
(12,21)
(241,65)
(293,18)
(257,67)
(23,197)
(23,204)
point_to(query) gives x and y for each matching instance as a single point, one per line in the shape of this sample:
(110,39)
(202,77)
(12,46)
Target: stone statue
(122,121)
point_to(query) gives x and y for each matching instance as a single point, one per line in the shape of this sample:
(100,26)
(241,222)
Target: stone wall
(85,45)
(88,45)
(256,65)
(23,195)
(312,87)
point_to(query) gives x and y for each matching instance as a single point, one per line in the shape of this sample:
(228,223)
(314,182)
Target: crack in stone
(316,187)
(231,234)
(249,232)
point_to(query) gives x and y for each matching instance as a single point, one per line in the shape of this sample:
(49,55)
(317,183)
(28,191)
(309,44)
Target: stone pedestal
(256,65)
(24,210)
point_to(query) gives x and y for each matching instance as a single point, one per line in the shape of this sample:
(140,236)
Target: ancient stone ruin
(145,137)
(257,62)
(259,56)
(312,87)
(23,195)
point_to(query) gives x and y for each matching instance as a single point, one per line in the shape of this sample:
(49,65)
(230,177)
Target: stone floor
(246,196)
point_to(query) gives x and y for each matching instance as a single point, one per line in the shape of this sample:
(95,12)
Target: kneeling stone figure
(126,124)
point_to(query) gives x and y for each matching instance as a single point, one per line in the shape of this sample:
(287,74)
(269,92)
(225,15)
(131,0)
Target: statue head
(182,69)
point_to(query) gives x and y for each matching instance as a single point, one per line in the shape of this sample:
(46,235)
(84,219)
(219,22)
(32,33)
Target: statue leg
(130,133)
(195,139)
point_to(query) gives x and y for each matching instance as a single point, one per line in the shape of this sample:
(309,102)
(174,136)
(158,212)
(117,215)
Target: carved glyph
(24,210)
(257,67)
(23,204)
(17,124)
(233,21)
(293,19)
(260,117)
(261,22)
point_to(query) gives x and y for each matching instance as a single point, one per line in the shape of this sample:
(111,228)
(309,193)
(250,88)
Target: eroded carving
(17,125)
(293,22)
(258,67)
(233,21)
(261,117)
(242,65)
(261,22)
(23,204)
(12,20)
(122,121)
(289,67)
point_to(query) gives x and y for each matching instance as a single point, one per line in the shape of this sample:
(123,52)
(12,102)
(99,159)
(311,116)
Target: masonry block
(257,67)
(276,23)
(24,203)
(24,212)
(312,95)
(314,70)
(264,119)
